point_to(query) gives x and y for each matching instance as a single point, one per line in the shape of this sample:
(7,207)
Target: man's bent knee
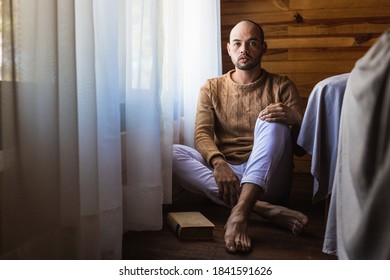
(279,129)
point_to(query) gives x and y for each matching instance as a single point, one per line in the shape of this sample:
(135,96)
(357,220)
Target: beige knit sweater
(227,113)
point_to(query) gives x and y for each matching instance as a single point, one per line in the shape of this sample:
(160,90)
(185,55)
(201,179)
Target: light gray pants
(270,165)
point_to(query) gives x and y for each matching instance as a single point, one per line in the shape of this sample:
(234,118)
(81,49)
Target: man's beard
(249,66)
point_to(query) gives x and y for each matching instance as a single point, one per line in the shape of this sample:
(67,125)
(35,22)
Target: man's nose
(244,49)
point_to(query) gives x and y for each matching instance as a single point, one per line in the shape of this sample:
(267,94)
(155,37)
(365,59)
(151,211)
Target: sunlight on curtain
(166,73)
(143,192)
(200,56)
(98,127)
(192,54)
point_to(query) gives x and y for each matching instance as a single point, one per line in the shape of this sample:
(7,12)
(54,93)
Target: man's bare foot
(282,216)
(236,238)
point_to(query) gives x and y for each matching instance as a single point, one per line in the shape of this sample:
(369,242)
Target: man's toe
(231,247)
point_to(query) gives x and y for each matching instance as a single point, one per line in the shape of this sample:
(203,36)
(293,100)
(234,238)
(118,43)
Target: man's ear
(264,48)
(228,48)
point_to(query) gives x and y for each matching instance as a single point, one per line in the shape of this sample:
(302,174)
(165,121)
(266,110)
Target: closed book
(190,225)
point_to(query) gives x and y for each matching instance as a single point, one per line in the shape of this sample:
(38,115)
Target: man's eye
(253,43)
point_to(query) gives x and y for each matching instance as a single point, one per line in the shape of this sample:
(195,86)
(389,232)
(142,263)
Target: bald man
(244,148)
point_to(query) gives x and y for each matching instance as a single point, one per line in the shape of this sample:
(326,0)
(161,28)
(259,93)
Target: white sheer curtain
(192,54)
(67,66)
(169,56)
(143,192)
(61,195)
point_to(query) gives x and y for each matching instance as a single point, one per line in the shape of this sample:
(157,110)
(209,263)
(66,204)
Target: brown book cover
(190,225)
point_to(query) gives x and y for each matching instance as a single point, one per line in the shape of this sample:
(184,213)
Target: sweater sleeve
(290,96)
(205,125)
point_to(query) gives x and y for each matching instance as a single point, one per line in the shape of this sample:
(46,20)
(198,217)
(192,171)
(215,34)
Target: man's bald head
(259,29)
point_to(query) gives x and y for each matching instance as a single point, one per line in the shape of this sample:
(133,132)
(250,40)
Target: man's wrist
(217,160)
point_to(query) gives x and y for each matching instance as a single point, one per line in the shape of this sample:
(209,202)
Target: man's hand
(228,184)
(278,112)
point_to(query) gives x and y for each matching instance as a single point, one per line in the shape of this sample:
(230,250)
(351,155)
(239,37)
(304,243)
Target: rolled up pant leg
(270,164)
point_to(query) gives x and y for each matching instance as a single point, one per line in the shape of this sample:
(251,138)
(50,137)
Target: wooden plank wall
(309,40)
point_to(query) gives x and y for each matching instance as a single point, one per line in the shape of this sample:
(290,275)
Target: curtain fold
(192,54)
(61,195)
(75,174)
(143,193)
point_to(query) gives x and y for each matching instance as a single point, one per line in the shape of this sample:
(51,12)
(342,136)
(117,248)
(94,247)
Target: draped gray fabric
(362,180)
(319,134)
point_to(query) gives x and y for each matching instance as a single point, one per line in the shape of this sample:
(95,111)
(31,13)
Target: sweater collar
(255,84)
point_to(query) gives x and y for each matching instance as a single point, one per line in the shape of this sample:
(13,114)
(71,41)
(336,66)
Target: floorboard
(270,242)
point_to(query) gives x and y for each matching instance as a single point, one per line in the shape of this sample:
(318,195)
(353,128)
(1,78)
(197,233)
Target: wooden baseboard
(302,164)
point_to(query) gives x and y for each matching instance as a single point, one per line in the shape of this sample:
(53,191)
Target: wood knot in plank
(360,39)
(298,18)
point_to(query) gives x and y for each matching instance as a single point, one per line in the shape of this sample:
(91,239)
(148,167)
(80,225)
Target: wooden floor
(270,242)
